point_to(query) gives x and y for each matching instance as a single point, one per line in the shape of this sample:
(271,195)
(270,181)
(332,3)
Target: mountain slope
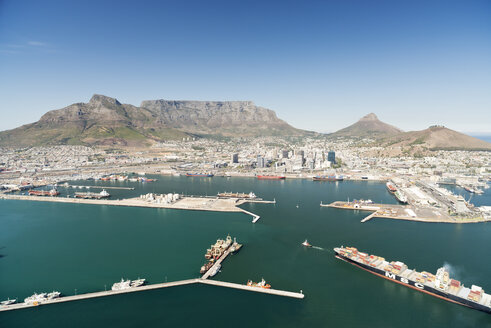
(105,121)
(368,126)
(437,138)
(101,121)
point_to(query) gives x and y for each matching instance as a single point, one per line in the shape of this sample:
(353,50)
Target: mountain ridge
(106,121)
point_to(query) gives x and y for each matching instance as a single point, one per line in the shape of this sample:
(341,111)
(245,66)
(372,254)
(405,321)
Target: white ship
(53,294)
(123,284)
(215,270)
(8,301)
(137,283)
(35,299)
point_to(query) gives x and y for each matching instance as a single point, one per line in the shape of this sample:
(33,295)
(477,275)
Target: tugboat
(306,243)
(261,284)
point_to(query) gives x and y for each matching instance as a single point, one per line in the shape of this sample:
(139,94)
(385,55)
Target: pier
(402,212)
(217,263)
(195,203)
(18,306)
(96,187)
(253,289)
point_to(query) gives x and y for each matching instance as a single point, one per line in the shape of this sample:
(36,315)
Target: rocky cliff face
(218,117)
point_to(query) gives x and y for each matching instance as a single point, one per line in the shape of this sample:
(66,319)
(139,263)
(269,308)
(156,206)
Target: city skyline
(319,66)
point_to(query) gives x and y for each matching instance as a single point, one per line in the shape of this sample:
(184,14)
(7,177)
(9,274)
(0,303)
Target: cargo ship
(52,192)
(391,187)
(202,175)
(270,177)
(400,197)
(92,195)
(439,285)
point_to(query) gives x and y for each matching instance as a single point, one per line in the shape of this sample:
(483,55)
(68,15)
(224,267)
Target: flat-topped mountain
(437,138)
(228,118)
(368,126)
(105,121)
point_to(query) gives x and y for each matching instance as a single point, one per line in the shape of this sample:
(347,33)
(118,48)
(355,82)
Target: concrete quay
(19,306)
(253,289)
(185,203)
(95,187)
(403,212)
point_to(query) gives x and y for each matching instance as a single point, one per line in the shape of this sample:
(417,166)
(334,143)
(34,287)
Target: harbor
(401,212)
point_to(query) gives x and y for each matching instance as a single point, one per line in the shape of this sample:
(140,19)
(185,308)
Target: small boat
(8,301)
(137,283)
(53,294)
(306,243)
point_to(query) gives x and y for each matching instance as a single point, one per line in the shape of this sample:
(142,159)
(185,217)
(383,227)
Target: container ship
(439,285)
(270,177)
(203,175)
(52,192)
(391,187)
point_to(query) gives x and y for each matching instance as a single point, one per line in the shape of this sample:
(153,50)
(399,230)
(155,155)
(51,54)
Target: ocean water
(77,248)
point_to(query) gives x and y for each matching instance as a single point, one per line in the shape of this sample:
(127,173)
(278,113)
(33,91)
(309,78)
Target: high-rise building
(235,158)
(284,153)
(331,157)
(260,162)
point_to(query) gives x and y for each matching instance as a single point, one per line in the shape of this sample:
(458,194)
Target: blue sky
(320,65)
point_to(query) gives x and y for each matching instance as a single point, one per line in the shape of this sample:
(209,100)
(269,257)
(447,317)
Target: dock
(217,263)
(18,306)
(96,187)
(402,212)
(195,203)
(253,289)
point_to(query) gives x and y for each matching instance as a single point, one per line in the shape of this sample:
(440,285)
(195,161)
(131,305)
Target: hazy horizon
(319,65)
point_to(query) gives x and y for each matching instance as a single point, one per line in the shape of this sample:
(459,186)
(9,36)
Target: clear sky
(320,65)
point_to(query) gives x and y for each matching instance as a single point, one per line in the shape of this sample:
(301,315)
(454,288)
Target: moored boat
(270,177)
(202,175)
(391,187)
(8,301)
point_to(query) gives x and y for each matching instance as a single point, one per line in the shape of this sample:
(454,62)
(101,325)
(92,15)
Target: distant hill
(437,138)
(105,121)
(368,126)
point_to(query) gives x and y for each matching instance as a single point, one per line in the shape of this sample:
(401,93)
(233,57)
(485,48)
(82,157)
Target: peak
(369,117)
(98,99)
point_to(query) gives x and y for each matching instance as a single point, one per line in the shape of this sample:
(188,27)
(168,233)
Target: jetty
(96,187)
(402,212)
(18,306)
(195,203)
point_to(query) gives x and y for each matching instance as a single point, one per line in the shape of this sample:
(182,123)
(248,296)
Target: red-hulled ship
(391,187)
(52,192)
(270,177)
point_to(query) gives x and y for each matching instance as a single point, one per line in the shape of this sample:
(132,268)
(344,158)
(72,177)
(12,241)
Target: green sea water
(85,248)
